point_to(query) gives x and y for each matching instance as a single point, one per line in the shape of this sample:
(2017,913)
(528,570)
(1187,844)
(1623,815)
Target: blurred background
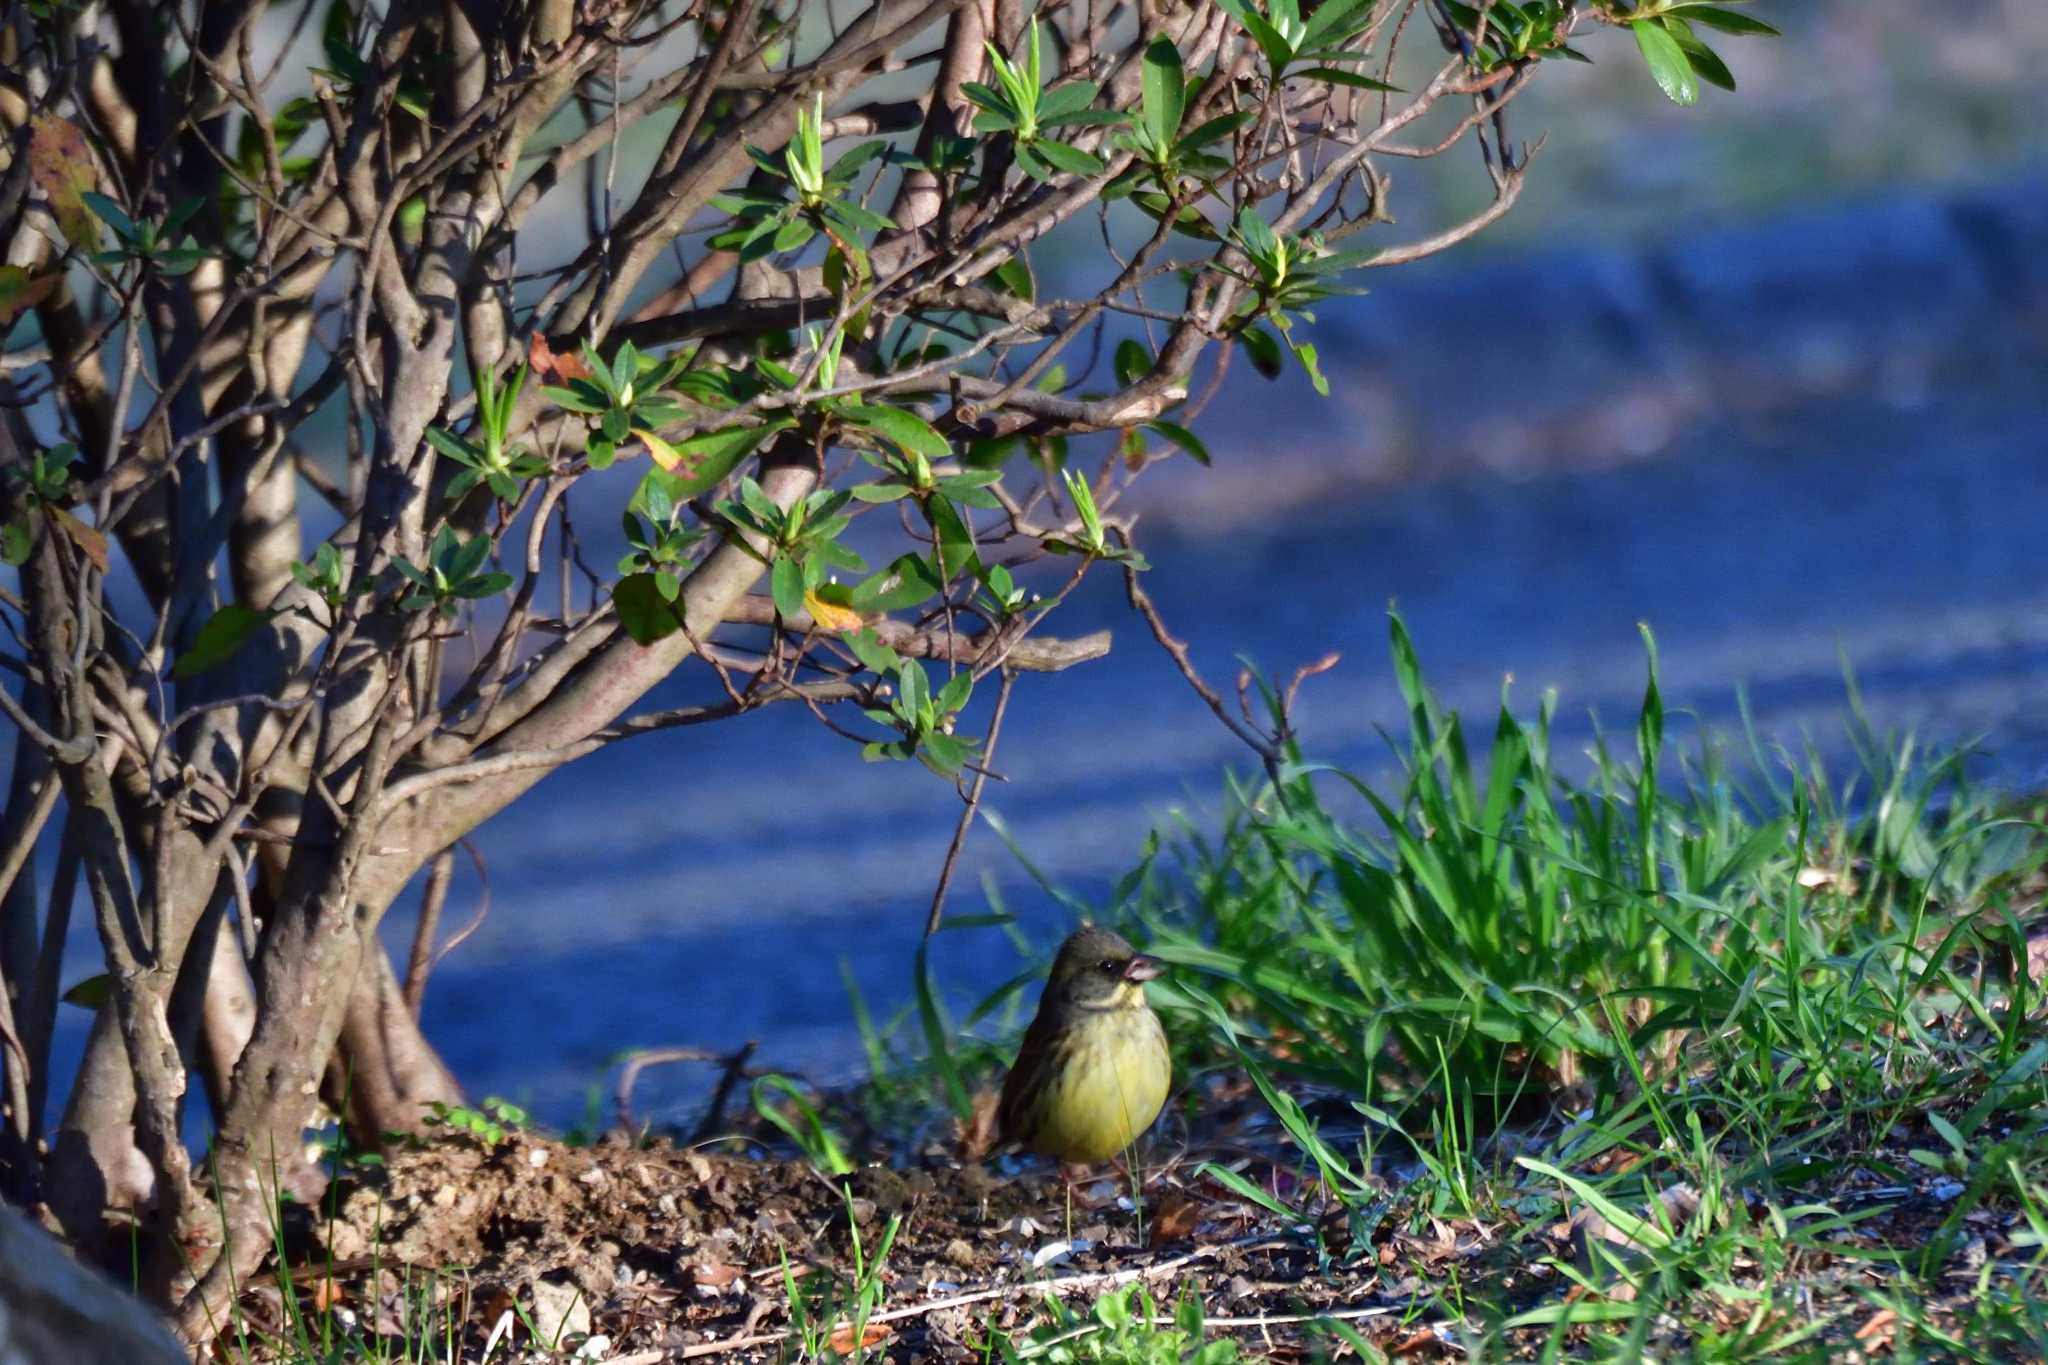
(1769,374)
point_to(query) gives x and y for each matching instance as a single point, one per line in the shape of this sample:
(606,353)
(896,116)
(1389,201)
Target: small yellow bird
(1093,1070)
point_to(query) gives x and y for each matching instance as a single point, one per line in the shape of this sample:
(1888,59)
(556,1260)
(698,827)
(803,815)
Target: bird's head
(1097,969)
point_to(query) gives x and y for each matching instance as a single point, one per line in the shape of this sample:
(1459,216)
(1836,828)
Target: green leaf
(903,427)
(483,585)
(791,235)
(1667,62)
(110,213)
(466,560)
(1328,20)
(711,455)
(1072,160)
(585,397)
(869,649)
(16,540)
(786,585)
(1013,276)
(944,754)
(1276,48)
(1182,437)
(1208,131)
(1339,76)
(1133,361)
(1726,20)
(1262,348)
(1306,354)
(1189,222)
(217,640)
(956,538)
(1706,63)
(1163,90)
(907,582)
(855,218)
(643,612)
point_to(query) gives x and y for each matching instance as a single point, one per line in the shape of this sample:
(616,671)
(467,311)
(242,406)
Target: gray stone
(54,1311)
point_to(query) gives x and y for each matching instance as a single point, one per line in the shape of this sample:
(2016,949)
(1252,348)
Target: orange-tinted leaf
(85,537)
(21,291)
(832,615)
(1175,1221)
(665,455)
(60,163)
(874,1334)
(326,1294)
(1421,1342)
(557,367)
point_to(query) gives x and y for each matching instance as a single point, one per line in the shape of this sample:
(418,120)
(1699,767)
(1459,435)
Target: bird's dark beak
(1143,968)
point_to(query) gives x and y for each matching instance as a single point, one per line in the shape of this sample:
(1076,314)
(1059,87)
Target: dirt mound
(664,1248)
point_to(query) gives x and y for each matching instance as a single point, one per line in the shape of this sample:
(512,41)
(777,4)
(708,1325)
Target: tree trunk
(384,1073)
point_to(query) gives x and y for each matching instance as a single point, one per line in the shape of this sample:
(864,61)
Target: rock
(561,1313)
(54,1311)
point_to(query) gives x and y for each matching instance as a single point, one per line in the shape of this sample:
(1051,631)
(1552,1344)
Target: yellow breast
(1110,1086)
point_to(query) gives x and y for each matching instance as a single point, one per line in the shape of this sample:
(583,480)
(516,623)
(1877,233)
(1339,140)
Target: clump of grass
(830,1316)
(1764,1031)
(1507,929)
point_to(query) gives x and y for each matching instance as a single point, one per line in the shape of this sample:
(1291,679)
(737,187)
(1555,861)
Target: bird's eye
(1108,964)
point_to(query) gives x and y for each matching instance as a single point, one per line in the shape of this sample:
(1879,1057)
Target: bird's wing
(1034,1055)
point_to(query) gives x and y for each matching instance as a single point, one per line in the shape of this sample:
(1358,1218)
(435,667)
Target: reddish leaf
(85,537)
(556,367)
(842,1337)
(60,163)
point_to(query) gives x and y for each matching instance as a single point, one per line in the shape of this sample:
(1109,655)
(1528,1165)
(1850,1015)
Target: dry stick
(483,907)
(420,961)
(995,730)
(733,1066)
(714,1114)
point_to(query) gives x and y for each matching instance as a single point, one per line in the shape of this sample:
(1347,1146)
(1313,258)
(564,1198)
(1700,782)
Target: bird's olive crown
(1090,966)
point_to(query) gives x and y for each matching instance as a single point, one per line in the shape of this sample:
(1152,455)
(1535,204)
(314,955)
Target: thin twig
(995,730)
(734,1064)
